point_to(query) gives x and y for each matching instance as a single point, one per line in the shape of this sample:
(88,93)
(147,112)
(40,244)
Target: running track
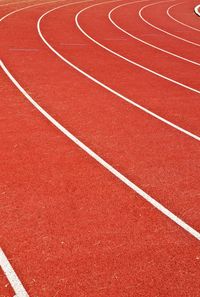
(118,84)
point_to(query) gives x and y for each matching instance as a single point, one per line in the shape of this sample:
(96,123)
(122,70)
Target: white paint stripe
(196,10)
(106,165)
(164,31)
(11,276)
(105,86)
(124,58)
(173,18)
(143,41)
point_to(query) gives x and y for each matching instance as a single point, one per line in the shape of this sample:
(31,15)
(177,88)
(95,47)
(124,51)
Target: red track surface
(68,226)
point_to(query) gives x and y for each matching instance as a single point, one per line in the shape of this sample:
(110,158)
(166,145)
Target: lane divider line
(197,10)
(101,161)
(105,86)
(164,31)
(143,41)
(173,18)
(12,276)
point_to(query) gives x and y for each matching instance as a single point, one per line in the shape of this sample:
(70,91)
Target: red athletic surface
(68,227)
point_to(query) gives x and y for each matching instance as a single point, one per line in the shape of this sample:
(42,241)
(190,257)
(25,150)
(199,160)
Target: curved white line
(11,275)
(196,10)
(176,20)
(105,86)
(101,161)
(143,41)
(166,32)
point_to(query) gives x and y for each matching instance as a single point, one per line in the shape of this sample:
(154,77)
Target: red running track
(68,226)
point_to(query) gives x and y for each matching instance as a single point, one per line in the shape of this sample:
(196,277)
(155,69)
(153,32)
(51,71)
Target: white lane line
(176,20)
(197,10)
(161,30)
(101,161)
(11,276)
(124,58)
(105,86)
(143,41)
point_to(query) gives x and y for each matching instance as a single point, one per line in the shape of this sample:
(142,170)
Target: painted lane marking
(173,18)
(157,28)
(11,276)
(105,86)
(143,41)
(101,161)
(196,10)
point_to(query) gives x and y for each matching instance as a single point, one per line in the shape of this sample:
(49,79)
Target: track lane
(105,164)
(185,13)
(100,243)
(158,73)
(119,95)
(171,8)
(95,244)
(161,39)
(114,134)
(136,76)
(169,42)
(142,40)
(156,16)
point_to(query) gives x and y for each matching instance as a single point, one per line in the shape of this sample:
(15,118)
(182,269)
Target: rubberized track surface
(123,78)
